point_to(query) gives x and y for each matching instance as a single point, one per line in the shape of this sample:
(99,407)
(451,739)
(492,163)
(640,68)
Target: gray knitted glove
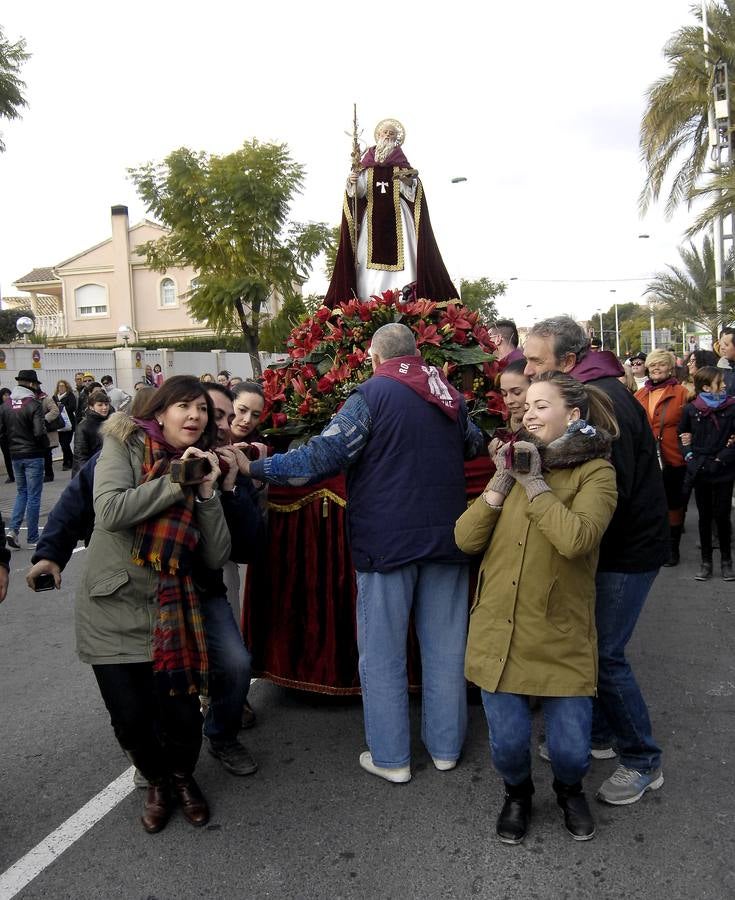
(532,481)
(502,481)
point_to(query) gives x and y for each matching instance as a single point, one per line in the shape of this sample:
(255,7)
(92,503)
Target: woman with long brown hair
(138,619)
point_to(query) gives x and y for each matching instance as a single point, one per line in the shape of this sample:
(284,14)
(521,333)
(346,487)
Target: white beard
(384,148)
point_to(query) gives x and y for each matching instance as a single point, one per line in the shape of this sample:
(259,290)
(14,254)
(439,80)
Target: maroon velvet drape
(299,609)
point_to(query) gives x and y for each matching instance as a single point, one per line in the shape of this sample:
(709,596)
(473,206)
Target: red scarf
(166,543)
(426,380)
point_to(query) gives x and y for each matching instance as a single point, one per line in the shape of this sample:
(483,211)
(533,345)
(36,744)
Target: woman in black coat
(64,396)
(87,440)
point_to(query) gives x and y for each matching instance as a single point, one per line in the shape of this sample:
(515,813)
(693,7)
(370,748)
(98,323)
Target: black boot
(675,540)
(516,812)
(577,816)
(727,573)
(705,571)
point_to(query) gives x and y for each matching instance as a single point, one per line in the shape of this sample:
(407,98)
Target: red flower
(423,308)
(356,358)
(455,317)
(279,420)
(325,385)
(322,314)
(426,334)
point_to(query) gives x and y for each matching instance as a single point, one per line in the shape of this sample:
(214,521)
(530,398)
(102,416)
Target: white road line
(14,879)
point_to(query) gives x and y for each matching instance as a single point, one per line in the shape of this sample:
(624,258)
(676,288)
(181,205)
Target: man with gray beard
(393,246)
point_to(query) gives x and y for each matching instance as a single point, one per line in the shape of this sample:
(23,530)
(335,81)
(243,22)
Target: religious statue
(386,240)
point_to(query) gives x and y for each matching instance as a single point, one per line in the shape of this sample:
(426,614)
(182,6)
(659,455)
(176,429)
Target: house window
(90,300)
(168,292)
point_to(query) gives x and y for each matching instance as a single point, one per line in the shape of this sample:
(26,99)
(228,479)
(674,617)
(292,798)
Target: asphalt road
(311,824)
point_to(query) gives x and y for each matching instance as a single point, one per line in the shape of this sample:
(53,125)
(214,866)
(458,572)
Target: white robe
(375,281)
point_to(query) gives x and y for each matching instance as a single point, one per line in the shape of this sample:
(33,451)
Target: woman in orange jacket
(664,399)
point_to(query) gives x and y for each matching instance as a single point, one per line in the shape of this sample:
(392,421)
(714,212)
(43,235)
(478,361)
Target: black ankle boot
(727,573)
(705,571)
(577,816)
(674,542)
(516,812)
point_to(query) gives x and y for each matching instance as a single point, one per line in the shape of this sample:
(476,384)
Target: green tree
(480,295)
(8,318)
(12,57)
(686,293)
(674,129)
(276,330)
(228,218)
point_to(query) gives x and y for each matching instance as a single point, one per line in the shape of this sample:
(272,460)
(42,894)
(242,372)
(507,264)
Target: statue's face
(387,133)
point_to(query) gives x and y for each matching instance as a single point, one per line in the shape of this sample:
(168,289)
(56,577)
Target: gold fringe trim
(347,209)
(322,494)
(417,206)
(399,222)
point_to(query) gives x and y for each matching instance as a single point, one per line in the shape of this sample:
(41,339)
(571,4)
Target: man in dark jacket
(727,352)
(633,548)
(402,437)
(22,421)
(72,520)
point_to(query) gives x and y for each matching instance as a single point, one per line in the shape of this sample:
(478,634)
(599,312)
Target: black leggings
(714,503)
(161,734)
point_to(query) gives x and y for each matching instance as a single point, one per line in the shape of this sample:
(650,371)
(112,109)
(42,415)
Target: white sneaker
(444,765)
(398,775)
(596,752)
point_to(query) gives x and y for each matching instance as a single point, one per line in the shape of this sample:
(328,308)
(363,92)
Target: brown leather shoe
(193,805)
(157,807)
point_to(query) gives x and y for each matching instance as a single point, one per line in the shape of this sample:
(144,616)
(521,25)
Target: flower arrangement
(329,358)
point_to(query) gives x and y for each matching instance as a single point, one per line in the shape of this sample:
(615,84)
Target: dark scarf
(166,543)
(571,449)
(655,385)
(424,379)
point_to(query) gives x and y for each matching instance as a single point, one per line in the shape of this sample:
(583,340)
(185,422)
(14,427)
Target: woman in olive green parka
(532,625)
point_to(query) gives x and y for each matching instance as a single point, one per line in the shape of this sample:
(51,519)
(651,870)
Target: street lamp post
(617,326)
(124,332)
(24,326)
(459,179)
(602,333)
(653,328)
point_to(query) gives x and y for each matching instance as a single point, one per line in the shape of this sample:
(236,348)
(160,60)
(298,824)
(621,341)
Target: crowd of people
(592,474)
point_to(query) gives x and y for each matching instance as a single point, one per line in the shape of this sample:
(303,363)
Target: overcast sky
(536,104)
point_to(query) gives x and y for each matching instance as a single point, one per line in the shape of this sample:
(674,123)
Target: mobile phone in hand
(44,582)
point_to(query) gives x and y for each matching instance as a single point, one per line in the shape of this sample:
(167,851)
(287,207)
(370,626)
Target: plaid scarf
(166,543)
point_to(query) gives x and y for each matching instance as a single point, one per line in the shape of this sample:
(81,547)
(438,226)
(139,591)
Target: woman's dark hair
(98,396)
(517,367)
(249,387)
(706,375)
(181,389)
(703,358)
(139,400)
(4,392)
(593,404)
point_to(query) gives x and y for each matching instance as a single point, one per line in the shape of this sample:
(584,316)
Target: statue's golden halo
(393,123)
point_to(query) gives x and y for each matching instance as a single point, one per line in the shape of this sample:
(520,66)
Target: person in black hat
(637,364)
(22,421)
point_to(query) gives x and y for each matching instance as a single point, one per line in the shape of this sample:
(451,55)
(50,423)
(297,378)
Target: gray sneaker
(234,757)
(629,785)
(139,780)
(11,539)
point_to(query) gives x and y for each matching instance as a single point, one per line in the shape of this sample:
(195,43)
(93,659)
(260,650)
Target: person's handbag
(56,424)
(64,416)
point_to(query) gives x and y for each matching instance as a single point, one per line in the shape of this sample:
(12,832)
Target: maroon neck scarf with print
(426,380)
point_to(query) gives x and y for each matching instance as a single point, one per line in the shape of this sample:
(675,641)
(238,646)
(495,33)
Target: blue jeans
(28,486)
(438,596)
(229,661)
(620,713)
(568,722)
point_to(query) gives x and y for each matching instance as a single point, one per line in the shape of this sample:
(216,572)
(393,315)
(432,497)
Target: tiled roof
(45,306)
(38,276)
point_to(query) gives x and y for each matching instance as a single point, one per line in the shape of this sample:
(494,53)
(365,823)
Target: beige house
(88,298)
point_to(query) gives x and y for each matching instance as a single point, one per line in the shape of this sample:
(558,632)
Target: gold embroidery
(417,206)
(399,222)
(347,209)
(304,501)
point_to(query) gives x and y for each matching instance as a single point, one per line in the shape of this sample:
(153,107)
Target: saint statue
(386,240)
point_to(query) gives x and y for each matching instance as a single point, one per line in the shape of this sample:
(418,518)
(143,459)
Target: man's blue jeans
(620,713)
(568,721)
(438,596)
(229,662)
(28,486)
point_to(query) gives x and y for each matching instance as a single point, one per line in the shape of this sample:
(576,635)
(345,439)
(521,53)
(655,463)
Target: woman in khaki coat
(532,625)
(138,620)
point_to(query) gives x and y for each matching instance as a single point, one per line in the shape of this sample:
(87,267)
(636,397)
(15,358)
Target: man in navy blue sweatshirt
(402,438)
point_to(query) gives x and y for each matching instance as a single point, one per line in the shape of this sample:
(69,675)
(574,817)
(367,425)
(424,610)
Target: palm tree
(12,57)
(687,293)
(674,129)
